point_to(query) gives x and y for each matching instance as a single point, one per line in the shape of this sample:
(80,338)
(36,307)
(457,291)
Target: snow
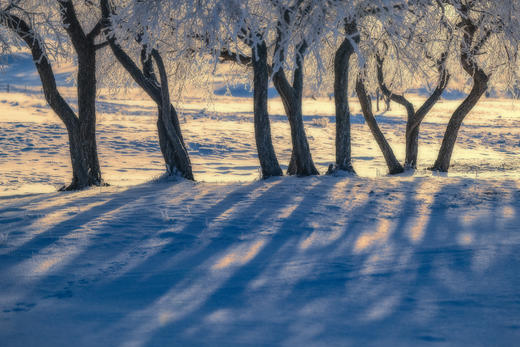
(230,260)
(313,261)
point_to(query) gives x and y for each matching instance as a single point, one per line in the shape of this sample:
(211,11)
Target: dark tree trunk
(469,49)
(171,142)
(366,105)
(264,144)
(182,161)
(86,52)
(341,79)
(87,109)
(413,125)
(412,146)
(301,163)
(480,86)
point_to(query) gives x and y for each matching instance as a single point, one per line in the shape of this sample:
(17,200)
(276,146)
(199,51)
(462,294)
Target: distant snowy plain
(417,259)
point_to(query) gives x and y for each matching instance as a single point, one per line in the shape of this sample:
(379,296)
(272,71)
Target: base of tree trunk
(334,169)
(77,186)
(396,170)
(436,168)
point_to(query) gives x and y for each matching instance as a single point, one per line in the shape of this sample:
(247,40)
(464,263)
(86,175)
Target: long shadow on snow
(62,229)
(282,248)
(175,262)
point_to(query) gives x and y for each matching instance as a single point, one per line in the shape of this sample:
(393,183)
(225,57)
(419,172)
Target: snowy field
(370,260)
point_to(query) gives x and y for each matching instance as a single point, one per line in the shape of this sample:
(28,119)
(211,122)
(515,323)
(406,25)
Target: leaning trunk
(168,116)
(480,85)
(301,163)
(264,144)
(394,167)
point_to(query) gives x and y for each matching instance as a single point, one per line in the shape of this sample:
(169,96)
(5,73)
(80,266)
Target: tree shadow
(290,261)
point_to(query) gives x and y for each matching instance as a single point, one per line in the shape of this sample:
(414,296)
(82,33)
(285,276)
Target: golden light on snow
(465,239)
(46,265)
(369,239)
(417,228)
(239,256)
(508,212)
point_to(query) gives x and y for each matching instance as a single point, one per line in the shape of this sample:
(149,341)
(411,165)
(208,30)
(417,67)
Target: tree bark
(394,167)
(469,49)
(301,163)
(480,86)
(264,145)
(182,161)
(86,52)
(341,79)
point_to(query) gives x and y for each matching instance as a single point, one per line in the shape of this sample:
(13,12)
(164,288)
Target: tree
(487,32)
(22,18)
(251,29)
(418,37)
(341,78)
(171,141)
(290,20)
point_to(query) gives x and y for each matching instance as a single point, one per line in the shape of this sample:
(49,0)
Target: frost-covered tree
(71,28)
(486,35)
(134,24)
(426,40)
(299,25)
(247,23)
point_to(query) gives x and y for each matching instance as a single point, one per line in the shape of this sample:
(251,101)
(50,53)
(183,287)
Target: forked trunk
(170,136)
(414,118)
(301,163)
(168,116)
(80,130)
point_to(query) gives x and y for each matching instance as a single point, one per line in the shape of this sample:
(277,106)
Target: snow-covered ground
(369,260)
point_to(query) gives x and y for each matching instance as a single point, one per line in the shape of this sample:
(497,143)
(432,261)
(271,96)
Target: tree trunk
(301,163)
(182,161)
(343,135)
(480,85)
(468,50)
(394,167)
(412,146)
(264,145)
(87,110)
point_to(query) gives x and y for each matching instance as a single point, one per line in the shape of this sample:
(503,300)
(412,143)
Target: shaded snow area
(291,261)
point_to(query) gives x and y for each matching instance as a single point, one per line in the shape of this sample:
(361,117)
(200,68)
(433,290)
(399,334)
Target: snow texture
(412,260)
